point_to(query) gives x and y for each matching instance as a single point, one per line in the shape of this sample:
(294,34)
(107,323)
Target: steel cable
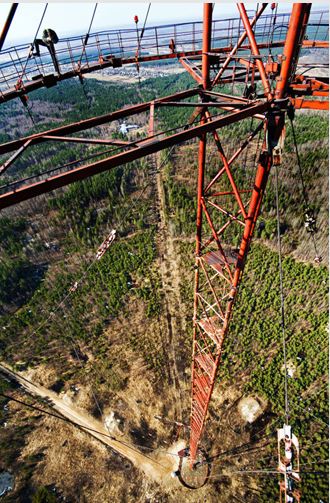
(28,57)
(87,36)
(279,245)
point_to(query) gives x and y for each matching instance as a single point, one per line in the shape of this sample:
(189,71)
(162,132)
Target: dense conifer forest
(48,244)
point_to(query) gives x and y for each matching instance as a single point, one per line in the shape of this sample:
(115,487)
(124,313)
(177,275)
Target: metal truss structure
(261,62)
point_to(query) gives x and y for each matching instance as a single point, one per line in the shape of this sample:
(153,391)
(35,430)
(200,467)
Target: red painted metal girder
(200,384)
(13,158)
(199,400)
(315,84)
(234,157)
(149,147)
(216,239)
(72,139)
(216,261)
(96,121)
(299,103)
(206,363)
(211,327)
(192,70)
(7,24)
(206,45)
(215,296)
(218,283)
(305,90)
(229,173)
(238,45)
(226,105)
(226,212)
(255,50)
(52,79)
(319,44)
(294,38)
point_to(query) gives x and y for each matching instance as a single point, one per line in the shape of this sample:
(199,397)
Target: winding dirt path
(170,274)
(157,466)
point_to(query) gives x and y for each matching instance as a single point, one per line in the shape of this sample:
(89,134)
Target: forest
(51,243)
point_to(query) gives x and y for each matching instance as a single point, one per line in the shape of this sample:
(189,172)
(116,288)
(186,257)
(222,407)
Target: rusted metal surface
(94,121)
(51,79)
(296,31)
(309,86)
(113,49)
(7,24)
(192,70)
(299,103)
(219,269)
(255,50)
(207,32)
(221,201)
(73,139)
(147,146)
(15,156)
(238,45)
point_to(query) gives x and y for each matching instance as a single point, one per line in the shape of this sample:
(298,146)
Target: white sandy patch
(250,409)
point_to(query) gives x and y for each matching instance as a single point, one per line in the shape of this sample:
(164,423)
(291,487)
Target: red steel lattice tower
(228,203)
(219,267)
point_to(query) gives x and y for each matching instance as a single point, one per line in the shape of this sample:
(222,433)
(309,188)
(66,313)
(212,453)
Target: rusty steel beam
(149,146)
(238,45)
(233,158)
(220,104)
(299,103)
(196,428)
(191,70)
(73,139)
(7,24)
(52,79)
(206,47)
(15,156)
(210,330)
(229,173)
(317,44)
(95,121)
(232,100)
(296,31)
(255,50)
(207,361)
(303,85)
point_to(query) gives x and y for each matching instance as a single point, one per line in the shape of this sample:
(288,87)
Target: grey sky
(74,17)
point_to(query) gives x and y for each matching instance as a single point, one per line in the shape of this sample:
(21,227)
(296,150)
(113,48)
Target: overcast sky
(72,18)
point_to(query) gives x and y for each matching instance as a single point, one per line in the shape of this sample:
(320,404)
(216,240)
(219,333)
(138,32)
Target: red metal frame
(139,149)
(219,271)
(238,45)
(7,24)
(221,203)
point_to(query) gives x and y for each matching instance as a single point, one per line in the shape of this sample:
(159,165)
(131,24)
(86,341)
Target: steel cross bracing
(227,203)
(219,268)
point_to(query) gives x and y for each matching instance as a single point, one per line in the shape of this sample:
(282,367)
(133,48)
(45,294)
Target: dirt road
(157,466)
(170,274)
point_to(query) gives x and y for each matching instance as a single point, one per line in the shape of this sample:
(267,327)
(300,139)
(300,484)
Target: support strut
(219,268)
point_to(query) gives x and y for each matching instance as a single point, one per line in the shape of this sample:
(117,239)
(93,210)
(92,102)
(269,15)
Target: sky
(69,18)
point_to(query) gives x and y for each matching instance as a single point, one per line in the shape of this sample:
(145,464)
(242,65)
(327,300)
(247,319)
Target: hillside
(119,348)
